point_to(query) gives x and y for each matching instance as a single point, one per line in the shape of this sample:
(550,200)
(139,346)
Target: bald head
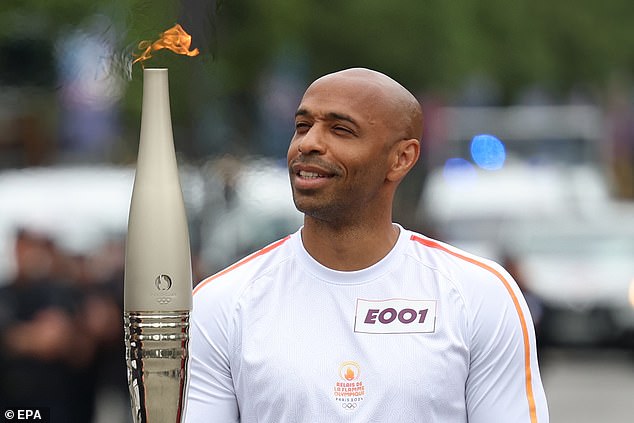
(398,107)
(357,134)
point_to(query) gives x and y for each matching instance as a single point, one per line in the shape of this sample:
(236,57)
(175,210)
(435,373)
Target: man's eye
(301,126)
(343,130)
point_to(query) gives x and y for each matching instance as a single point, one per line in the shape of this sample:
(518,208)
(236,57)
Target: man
(354,318)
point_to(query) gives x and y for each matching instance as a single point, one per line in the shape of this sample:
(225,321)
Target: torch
(158,272)
(158,275)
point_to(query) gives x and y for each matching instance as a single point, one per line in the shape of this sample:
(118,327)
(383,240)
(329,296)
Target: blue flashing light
(488,152)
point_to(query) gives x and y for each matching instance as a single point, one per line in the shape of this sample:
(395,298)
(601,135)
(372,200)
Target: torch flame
(349,374)
(174,39)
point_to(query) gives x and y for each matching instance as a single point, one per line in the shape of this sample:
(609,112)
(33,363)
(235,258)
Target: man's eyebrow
(329,116)
(301,112)
(340,116)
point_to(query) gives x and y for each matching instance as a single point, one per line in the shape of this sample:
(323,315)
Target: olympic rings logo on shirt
(349,405)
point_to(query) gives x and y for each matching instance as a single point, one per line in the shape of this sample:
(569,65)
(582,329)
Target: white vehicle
(547,206)
(469,207)
(583,270)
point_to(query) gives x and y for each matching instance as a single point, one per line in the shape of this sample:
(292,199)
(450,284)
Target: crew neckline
(341,277)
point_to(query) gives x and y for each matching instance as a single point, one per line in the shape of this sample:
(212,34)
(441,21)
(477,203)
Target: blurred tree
(430,46)
(435,44)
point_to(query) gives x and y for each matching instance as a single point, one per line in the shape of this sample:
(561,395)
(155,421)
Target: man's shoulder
(434,249)
(454,262)
(249,268)
(478,279)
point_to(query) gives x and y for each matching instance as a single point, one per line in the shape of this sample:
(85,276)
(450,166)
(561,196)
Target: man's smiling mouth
(311,175)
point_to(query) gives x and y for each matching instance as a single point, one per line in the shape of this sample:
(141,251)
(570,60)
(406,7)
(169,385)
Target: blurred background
(528,158)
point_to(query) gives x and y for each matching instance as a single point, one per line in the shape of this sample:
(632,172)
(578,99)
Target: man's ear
(404,156)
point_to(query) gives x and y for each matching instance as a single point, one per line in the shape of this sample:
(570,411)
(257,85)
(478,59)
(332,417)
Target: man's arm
(211,395)
(504,384)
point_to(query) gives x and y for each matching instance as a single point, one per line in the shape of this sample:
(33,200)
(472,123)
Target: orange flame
(174,39)
(349,374)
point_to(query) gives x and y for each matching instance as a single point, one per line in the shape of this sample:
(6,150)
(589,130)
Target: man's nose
(312,142)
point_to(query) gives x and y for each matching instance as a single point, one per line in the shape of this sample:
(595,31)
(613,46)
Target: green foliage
(428,45)
(435,44)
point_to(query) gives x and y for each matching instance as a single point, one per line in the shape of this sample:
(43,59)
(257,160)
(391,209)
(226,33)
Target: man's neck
(348,247)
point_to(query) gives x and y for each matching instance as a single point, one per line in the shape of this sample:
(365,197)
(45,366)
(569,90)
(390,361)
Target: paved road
(589,386)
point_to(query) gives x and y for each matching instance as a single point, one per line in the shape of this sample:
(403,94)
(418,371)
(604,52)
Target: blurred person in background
(353,317)
(100,281)
(55,327)
(37,332)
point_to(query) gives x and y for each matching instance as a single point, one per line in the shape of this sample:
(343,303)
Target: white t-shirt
(428,334)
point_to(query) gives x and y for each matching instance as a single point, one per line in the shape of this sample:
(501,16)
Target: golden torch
(158,273)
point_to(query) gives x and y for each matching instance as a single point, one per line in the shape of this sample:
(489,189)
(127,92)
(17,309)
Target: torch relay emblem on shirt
(349,390)
(395,315)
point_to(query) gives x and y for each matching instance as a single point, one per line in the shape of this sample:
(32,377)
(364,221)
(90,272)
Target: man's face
(338,155)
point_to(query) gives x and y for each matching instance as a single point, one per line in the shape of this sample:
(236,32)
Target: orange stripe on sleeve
(518,309)
(241,262)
